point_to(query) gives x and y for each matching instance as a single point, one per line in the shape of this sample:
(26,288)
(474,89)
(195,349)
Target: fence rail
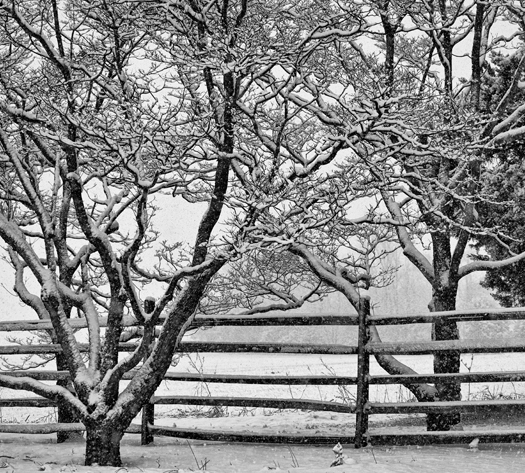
(193,347)
(199,321)
(362,409)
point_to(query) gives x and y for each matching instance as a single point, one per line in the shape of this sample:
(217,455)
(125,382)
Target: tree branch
(488,265)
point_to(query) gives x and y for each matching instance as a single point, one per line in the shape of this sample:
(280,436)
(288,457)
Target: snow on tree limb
(55,393)
(488,265)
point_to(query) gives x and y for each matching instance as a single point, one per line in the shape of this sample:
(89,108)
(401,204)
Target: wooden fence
(362,408)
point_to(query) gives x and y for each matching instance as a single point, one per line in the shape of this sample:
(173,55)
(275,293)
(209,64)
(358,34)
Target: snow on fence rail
(363,408)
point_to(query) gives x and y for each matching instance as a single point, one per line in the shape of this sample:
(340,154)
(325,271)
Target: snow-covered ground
(41,453)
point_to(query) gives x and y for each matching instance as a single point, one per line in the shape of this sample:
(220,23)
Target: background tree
(263,280)
(418,134)
(504,183)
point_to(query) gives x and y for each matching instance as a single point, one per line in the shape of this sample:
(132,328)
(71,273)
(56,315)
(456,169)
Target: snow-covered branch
(488,265)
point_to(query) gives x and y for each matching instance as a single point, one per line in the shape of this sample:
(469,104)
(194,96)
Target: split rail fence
(363,408)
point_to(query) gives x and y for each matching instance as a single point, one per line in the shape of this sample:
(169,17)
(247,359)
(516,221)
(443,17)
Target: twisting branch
(128,257)
(55,393)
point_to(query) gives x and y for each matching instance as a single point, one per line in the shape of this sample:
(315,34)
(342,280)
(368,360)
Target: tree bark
(390,32)
(103,443)
(476,56)
(442,300)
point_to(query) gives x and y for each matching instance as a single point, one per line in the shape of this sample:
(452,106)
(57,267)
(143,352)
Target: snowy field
(38,453)
(300,364)
(41,453)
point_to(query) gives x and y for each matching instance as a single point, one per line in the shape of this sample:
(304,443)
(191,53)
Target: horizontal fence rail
(431,438)
(223,401)
(456,346)
(211,435)
(303,319)
(202,347)
(199,321)
(455,315)
(440,407)
(254,402)
(472,377)
(42,375)
(362,408)
(53,428)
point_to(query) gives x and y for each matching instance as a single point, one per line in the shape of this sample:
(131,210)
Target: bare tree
(414,132)
(105,106)
(424,146)
(85,148)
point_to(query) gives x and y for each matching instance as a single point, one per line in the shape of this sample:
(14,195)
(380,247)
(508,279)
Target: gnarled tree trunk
(103,443)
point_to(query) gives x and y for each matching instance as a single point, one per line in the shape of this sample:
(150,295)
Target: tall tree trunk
(476,56)
(390,32)
(442,300)
(445,51)
(103,443)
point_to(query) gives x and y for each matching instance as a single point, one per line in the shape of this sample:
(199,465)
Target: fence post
(148,410)
(363,374)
